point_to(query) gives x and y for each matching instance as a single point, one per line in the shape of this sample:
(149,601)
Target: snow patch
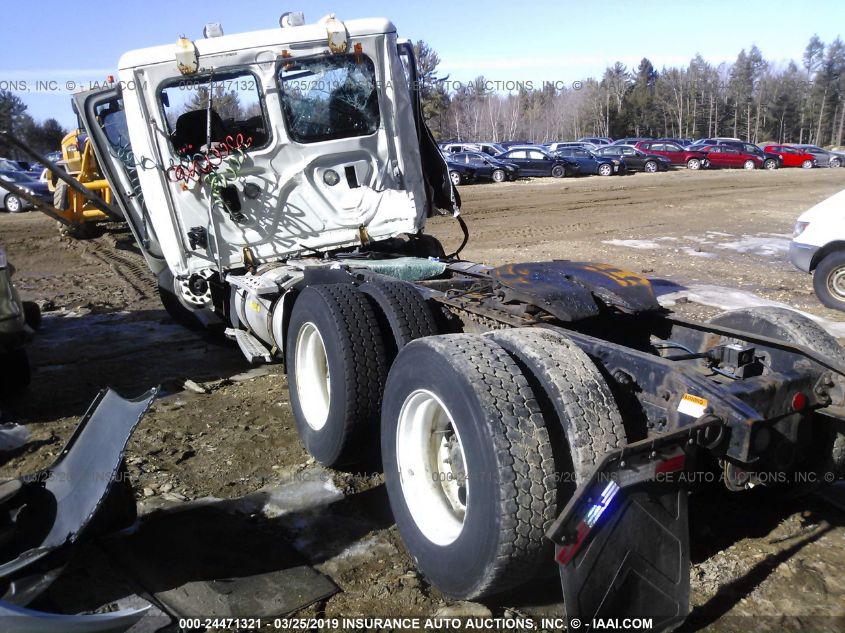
(638,244)
(756,245)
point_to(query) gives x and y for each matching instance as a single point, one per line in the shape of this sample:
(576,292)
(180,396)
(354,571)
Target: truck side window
(325,98)
(236,109)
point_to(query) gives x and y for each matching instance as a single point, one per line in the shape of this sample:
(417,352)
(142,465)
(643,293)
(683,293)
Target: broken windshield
(329,98)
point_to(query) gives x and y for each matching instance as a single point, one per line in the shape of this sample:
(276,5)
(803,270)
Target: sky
(68,44)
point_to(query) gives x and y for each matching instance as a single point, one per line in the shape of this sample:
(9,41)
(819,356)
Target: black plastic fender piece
(569,290)
(52,508)
(546,285)
(637,564)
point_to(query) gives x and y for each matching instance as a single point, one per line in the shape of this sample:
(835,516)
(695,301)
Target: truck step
(255,285)
(251,347)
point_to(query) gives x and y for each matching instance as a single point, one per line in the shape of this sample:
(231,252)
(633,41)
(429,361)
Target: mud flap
(636,563)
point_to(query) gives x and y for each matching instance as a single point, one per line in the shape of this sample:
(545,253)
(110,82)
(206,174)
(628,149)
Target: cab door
(102,114)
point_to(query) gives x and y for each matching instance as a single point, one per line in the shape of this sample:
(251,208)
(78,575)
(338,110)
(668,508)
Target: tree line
(44,137)
(751,98)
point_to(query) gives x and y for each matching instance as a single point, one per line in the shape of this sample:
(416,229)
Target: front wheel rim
(836,283)
(807,164)
(693,164)
(432,467)
(651,167)
(313,385)
(749,164)
(770,164)
(498,176)
(604,170)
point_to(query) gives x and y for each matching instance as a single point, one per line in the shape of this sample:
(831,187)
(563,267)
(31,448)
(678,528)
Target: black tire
(402,313)
(456,178)
(605,169)
(693,163)
(577,400)
(829,280)
(60,196)
(355,371)
(15,372)
(506,453)
(13,204)
(770,164)
(558,171)
(650,167)
(499,175)
(794,327)
(32,314)
(177,311)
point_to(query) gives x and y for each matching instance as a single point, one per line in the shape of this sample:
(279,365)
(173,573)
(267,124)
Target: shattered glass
(329,98)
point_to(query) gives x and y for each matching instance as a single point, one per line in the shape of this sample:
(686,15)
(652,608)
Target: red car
(676,154)
(730,157)
(792,157)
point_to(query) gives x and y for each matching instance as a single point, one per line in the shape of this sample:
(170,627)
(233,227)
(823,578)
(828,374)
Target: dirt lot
(710,240)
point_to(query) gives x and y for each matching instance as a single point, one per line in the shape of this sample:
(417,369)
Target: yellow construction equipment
(79,161)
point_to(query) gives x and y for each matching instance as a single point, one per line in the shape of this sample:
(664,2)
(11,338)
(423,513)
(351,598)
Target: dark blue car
(486,167)
(533,161)
(590,163)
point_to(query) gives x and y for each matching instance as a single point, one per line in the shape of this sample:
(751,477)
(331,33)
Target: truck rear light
(601,496)
(671,465)
(588,521)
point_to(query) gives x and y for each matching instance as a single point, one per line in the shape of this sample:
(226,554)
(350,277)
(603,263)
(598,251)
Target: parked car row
(509,160)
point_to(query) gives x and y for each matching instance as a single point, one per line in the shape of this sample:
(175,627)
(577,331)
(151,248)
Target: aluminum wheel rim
(456,178)
(605,170)
(749,164)
(434,486)
(836,283)
(15,204)
(313,386)
(651,167)
(693,164)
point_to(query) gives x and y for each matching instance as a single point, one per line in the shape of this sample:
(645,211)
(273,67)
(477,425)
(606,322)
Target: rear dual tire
(340,342)
(485,412)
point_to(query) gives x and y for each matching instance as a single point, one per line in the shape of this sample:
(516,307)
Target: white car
(818,247)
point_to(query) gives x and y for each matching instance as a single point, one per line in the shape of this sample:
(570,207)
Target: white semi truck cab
(234,152)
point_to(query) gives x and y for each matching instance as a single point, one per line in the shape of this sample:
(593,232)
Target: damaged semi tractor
(279,183)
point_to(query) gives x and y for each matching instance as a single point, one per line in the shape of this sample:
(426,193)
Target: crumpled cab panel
(306,146)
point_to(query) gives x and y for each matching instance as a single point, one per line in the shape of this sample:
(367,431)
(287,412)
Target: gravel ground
(710,240)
